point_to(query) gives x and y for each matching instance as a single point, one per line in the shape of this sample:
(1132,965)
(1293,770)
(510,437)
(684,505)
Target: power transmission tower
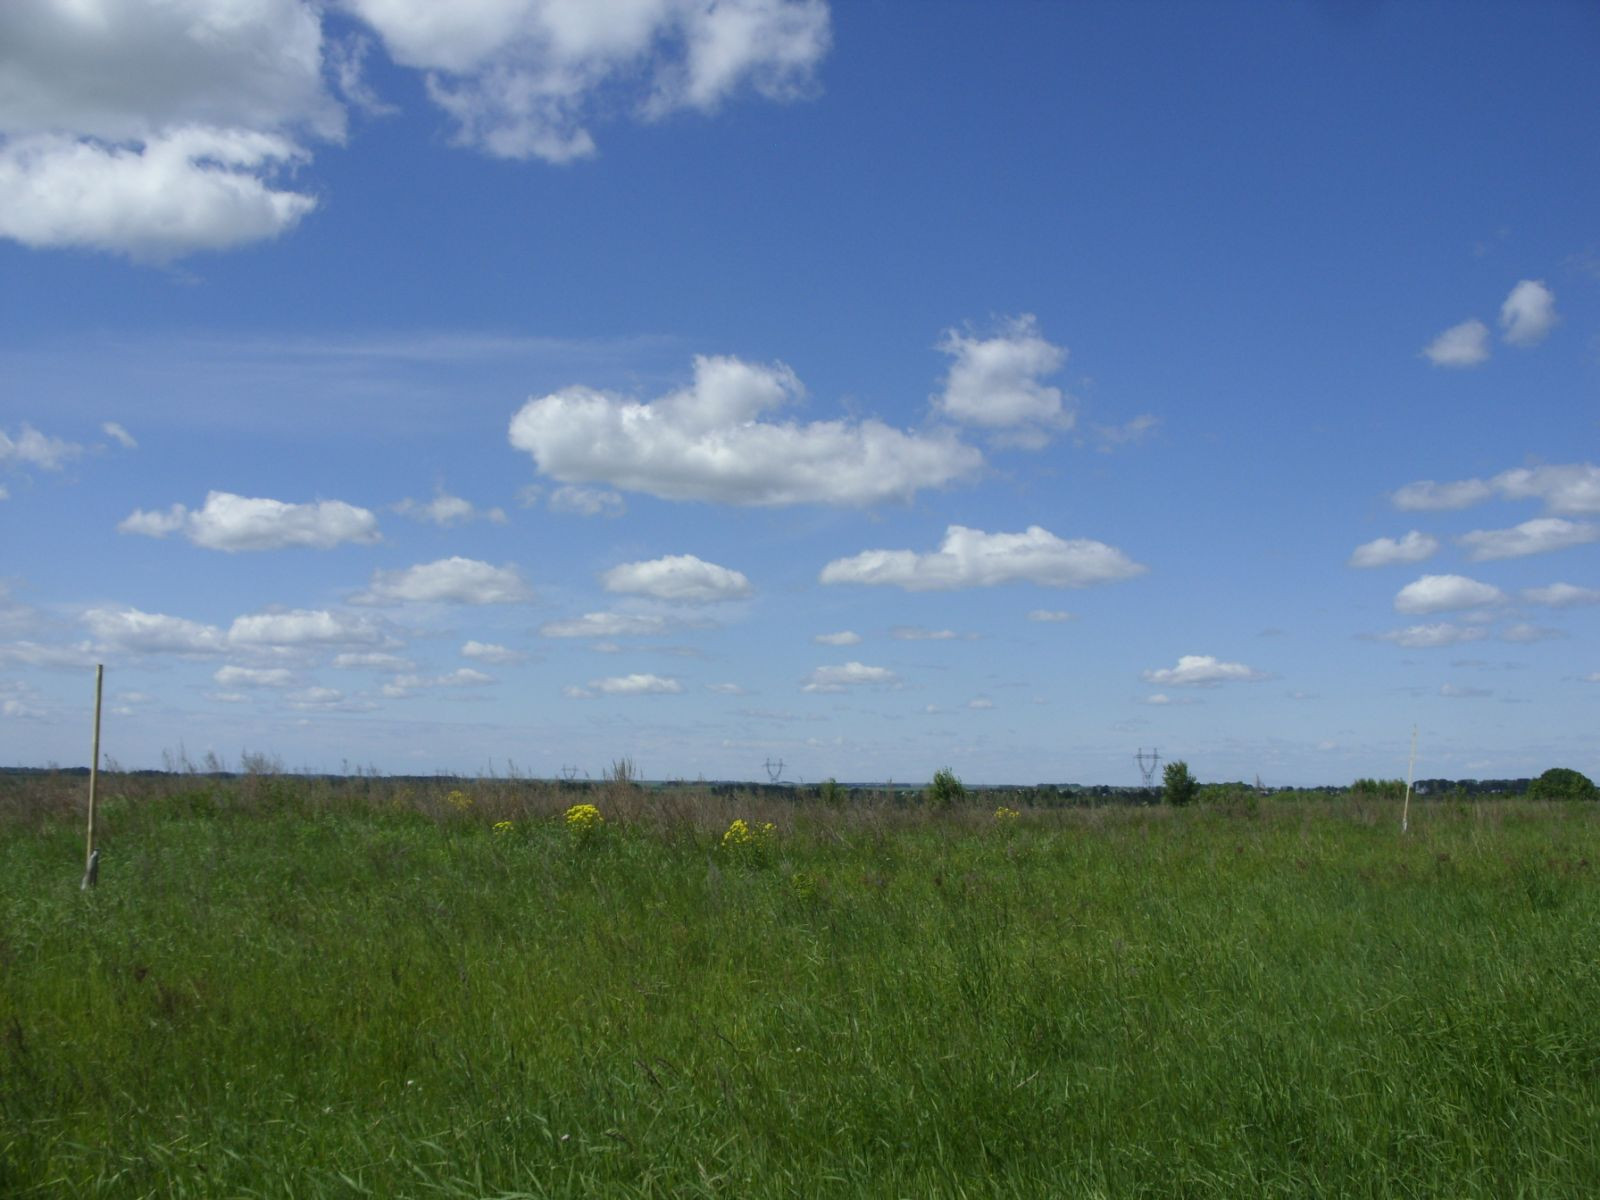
(1148,764)
(774,770)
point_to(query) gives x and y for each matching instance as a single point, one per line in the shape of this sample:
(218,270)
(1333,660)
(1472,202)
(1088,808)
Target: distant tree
(1378,789)
(1562,783)
(945,789)
(1179,787)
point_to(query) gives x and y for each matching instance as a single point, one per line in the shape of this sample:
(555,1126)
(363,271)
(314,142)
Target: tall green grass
(286,988)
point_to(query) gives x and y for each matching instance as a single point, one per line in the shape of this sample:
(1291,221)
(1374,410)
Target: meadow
(298,987)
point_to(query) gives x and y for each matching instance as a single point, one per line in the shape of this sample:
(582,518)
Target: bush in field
(584,823)
(750,844)
(831,794)
(1178,786)
(1562,783)
(945,789)
(1378,789)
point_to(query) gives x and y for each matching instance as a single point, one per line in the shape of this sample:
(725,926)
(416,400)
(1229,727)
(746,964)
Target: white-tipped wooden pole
(91,857)
(1411,770)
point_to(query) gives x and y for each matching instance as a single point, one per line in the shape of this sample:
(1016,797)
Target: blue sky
(870,387)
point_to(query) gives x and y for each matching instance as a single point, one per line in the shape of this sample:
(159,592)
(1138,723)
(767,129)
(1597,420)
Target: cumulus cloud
(708,442)
(915,633)
(305,627)
(848,675)
(997,382)
(973,558)
(445,510)
(523,79)
(1161,699)
(635,685)
(453,580)
(677,577)
(1201,670)
(489,652)
(1538,536)
(1126,434)
(1445,593)
(30,448)
(844,637)
(605,625)
(725,689)
(373,660)
(1561,595)
(1422,637)
(402,686)
(1049,616)
(1463,345)
(587,502)
(232,523)
(1528,314)
(980,702)
(1523,633)
(255,677)
(1571,489)
(1382,552)
(153,633)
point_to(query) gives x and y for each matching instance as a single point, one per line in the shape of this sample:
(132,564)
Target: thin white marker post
(91,856)
(1405,809)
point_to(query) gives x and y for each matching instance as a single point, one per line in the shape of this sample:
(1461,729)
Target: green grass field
(295,988)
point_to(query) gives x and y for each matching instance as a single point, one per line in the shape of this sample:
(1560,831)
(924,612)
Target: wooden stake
(1405,809)
(91,856)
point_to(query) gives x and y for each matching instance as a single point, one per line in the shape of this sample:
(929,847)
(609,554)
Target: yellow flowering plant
(1006,816)
(459,801)
(749,843)
(584,822)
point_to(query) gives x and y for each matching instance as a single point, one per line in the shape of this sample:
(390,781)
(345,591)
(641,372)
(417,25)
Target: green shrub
(945,789)
(1562,783)
(1178,786)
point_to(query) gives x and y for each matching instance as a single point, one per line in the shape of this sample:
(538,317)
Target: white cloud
(678,577)
(1443,593)
(1160,699)
(996,382)
(445,510)
(304,627)
(232,523)
(587,502)
(369,660)
(850,674)
(1458,692)
(1561,595)
(725,689)
(1049,616)
(266,677)
(605,625)
(972,558)
(453,580)
(119,435)
(1463,345)
(915,633)
(1571,489)
(404,685)
(707,442)
(635,685)
(152,633)
(1528,314)
(1128,433)
(36,654)
(1538,536)
(1421,637)
(844,637)
(523,78)
(35,449)
(1382,552)
(489,652)
(186,190)
(1201,670)
(980,702)
(1427,496)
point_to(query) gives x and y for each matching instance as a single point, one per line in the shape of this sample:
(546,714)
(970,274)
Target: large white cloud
(1538,536)
(1445,593)
(708,442)
(972,558)
(305,627)
(679,577)
(1201,670)
(445,510)
(230,522)
(605,624)
(1463,345)
(153,633)
(1428,496)
(453,580)
(1528,314)
(996,382)
(1382,552)
(268,677)
(848,675)
(522,78)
